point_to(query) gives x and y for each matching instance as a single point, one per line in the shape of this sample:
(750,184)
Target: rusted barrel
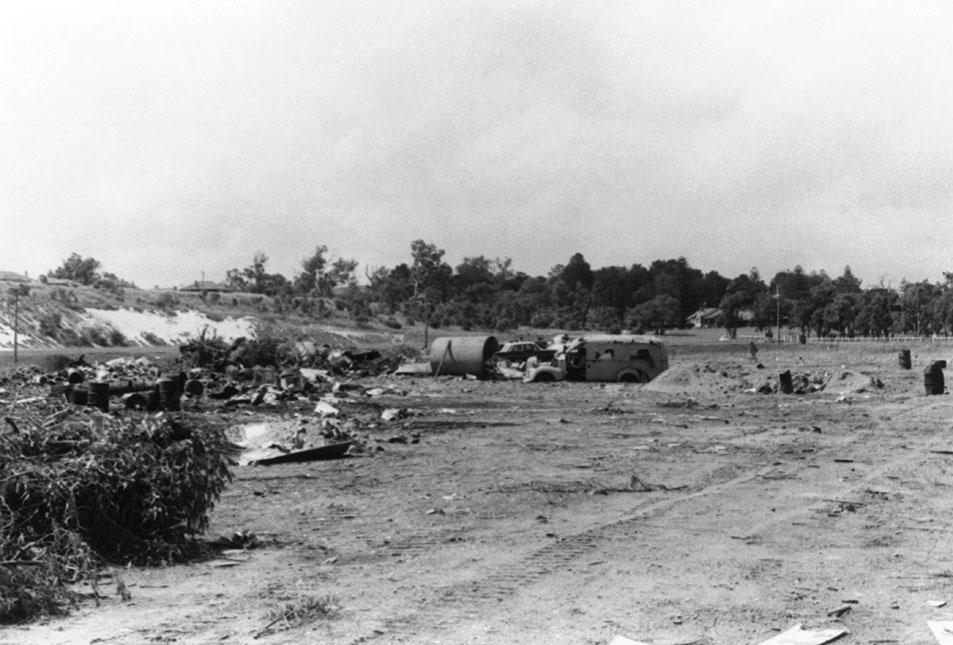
(786,382)
(78,396)
(98,396)
(152,400)
(933,380)
(905,362)
(169,396)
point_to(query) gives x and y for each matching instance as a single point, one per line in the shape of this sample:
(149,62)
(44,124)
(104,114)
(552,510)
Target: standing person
(754,351)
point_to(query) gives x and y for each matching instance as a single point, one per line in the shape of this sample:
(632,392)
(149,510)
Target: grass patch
(302,611)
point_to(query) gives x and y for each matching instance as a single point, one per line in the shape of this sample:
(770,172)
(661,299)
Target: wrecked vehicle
(627,359)
(519,351)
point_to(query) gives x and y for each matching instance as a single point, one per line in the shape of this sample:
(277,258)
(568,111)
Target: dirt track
(688,511)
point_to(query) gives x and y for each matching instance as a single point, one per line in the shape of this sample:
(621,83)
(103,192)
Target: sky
(171,140)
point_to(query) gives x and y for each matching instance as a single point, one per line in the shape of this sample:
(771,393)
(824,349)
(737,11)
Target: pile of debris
(793,383)
(141,384)
(244,354)
(345,421)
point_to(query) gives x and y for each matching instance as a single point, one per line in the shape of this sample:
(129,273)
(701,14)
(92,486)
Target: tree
(677,279)
(78,269)
(430,273)
(255,279)
(577,274)
(658,313)
(312,268)
(918,310)
(847,283)
(731,306)
(874,317)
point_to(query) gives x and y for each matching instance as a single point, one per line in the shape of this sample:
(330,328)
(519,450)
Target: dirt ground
(690,510)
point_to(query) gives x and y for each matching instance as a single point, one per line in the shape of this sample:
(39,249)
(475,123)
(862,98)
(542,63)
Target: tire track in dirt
(457,601)
(465,600)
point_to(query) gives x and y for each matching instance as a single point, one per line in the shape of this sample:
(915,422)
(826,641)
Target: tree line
(483,293)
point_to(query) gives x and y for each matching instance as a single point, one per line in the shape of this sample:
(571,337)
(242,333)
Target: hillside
(80,316)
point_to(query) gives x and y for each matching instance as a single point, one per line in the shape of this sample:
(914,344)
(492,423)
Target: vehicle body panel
(519,351)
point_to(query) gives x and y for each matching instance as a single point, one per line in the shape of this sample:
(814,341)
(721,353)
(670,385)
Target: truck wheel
(634,377)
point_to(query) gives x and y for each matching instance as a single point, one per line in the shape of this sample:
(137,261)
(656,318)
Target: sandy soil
(687,511)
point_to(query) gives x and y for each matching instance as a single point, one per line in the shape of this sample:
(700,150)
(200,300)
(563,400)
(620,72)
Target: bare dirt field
(689,510)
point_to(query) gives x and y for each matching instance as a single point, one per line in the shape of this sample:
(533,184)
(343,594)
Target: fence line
(814,340)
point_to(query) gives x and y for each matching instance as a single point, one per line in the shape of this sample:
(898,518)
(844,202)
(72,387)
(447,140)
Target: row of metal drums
(164,394)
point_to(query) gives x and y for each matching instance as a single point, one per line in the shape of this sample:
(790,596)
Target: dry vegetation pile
(81,489)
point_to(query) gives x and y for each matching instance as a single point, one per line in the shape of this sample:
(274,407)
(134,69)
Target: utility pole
(777,296)
(16,324)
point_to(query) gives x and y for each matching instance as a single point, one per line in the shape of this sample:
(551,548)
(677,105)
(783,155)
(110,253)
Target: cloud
(167,139)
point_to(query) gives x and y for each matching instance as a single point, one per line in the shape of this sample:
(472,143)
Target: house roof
(708,312)
(204,285)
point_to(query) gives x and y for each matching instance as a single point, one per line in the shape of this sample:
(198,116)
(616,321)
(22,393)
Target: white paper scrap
(798,636)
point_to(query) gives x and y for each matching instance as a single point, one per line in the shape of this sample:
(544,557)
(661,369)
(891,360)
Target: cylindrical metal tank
(462,355)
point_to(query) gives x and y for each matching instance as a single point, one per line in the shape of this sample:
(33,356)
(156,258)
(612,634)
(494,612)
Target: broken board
(942,630)
(798,636)
(622,640)
(331,451)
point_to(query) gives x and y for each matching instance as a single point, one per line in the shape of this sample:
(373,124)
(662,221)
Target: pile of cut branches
(79,488)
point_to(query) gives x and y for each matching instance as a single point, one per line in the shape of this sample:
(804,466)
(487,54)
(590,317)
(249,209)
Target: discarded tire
(135,401)
(933,378)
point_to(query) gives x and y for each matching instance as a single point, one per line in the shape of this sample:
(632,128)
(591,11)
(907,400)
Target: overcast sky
(170,138)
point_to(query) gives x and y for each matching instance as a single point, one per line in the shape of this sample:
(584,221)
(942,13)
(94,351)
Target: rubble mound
(697,379)
(675,379)
(855,383)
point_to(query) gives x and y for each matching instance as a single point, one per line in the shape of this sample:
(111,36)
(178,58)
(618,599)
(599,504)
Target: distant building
(14,277)
(205,285)
(706,318)
(712,317)
(61,282)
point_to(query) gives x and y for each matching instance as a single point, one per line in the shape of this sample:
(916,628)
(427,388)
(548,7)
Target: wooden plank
(622,640)
(331,451)
(798,636)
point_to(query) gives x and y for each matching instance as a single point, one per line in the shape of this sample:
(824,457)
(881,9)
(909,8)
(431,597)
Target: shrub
(50,324)
(83,490)
(94,335)
(542,319)
(116,338)
(151,339)
(167,301)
